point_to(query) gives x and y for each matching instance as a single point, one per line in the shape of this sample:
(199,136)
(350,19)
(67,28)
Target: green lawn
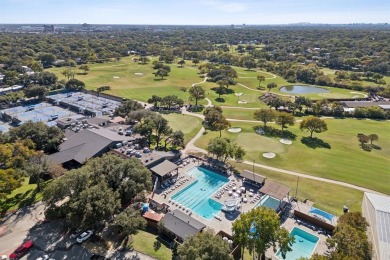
(23,196)
(189,125)
(363,80)
(326,196)
(123,78)
(345,161)
(144,243)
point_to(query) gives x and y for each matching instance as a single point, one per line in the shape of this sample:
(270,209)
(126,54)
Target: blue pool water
(197,195)
(303,246)
(303,89)
(269,202)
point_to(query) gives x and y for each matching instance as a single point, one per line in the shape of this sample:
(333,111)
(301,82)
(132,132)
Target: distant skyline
(201,12)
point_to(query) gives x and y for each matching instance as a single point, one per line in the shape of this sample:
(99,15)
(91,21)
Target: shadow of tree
(269,131)
(376,147)
(158,79)
(196,109)
(221,100)
(315,143)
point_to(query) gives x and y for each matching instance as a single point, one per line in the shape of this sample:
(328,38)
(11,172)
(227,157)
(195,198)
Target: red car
(21,250)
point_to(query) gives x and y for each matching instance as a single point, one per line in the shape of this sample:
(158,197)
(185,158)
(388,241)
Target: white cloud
(233,7)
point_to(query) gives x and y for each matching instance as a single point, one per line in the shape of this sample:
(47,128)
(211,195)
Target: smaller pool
(304,245)
(303,89)
(269,202)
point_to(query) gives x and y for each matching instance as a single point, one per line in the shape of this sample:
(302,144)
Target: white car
(84,236)
(3,257)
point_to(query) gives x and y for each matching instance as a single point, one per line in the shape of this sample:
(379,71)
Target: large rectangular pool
(197,195)
(304,245)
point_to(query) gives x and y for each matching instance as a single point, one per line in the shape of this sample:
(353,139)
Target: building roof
(181,224)
(85,144)
(164,168)
(252,176)
(153,216)
(275,190)
(365,103)
(381,204)
(384,107)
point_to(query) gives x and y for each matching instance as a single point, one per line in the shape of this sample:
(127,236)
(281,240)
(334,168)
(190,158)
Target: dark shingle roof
(164,168)
(181,224)
(85,144)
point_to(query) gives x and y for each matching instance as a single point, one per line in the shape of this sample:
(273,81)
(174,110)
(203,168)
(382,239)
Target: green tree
(93,205)
(126,107)
(37,167)
(75,84)
(265,115)
(204,245)
(220,125)
(349,242)
(283,119)
(47,59)
(355,220)
(259,229)
(373,137)
(171,101)
(271,85)
(161,73)
(68,73)
(175,138)
(9,181)
(154,100)
(181,63)
(260,78)
(363,139)
(211,115)
(197,93)
(195,61)
(313,124)
(46,138)
(84,68)
(129,222)
(36,91)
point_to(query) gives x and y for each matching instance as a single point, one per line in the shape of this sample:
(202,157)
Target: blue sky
(213,12)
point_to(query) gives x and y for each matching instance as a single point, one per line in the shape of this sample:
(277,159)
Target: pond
(302,89)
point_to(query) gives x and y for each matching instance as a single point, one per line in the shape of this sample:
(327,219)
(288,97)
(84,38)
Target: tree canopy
(97,190)
(313,124)
(204,245)
(259,229)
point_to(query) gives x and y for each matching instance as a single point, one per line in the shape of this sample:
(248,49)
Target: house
(376,210)
(152,218)
(164,171)
(180,226)
(86,144)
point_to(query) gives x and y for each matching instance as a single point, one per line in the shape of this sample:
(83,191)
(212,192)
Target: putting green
(257,143)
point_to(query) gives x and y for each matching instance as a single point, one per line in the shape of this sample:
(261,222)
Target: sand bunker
(238,94)
(242,102)
(269,155)
(138,74)
(285,141)
(234,130)
(115,77)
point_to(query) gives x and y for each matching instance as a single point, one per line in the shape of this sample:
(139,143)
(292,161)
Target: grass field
(329,197)
(189,125)
(136,86)
(23,196)
(144,242)
(363,81)
(345,161)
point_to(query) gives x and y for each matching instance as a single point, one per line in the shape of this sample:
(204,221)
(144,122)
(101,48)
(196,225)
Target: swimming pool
(197,195)
(269,202)
(303,246)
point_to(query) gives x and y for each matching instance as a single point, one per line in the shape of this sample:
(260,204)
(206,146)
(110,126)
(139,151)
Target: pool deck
(289,224)
(224,223)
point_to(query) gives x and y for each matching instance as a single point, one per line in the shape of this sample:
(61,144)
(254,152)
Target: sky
(194,12)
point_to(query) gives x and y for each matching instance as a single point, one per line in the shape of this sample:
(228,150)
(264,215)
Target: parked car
(84,236)
(21,250)
(3,257)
